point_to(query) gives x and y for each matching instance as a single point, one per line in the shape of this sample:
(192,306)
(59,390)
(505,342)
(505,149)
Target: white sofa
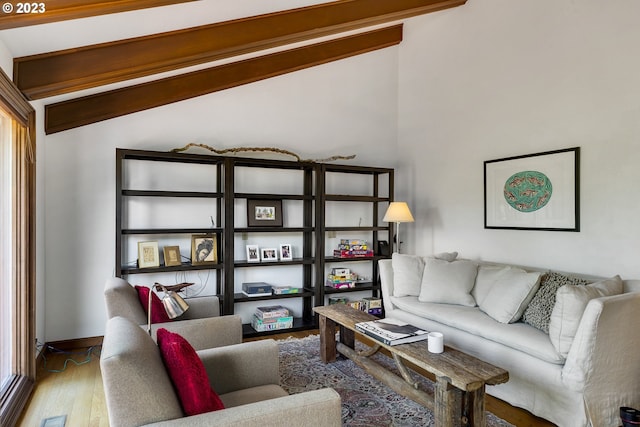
(571,381)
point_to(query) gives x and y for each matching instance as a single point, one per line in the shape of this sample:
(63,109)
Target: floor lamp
(173,303)
(398,212)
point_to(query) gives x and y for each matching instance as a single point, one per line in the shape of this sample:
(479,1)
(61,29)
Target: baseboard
(76,343)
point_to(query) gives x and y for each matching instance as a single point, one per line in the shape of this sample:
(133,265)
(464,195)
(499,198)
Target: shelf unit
(311,200)
(376,204)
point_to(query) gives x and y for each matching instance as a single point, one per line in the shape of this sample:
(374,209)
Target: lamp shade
(174,305)
(398,212)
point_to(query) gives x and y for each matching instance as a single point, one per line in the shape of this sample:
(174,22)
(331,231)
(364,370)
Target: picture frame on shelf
(204,249)
(253,253)
(537,191)
(148,255)
(268,254)
(171,256)
(264,213)
(286,253)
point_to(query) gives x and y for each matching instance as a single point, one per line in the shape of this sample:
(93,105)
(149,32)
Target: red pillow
(158,313)
(188,374)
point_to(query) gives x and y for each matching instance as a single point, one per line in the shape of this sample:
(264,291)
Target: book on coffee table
(391,331)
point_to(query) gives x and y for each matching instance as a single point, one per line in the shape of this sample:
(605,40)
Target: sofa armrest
(242,366)
(386,283)
(205,333)
(604,360)
(201,307)
(321,408)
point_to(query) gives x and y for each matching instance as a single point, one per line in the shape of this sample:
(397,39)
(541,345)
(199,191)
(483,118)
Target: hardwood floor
(76,391)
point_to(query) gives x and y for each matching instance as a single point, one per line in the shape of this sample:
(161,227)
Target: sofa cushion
(486,277)
(519,336)
(188,374)
(571,301)
(538,312)
(448,282)
(158,313)
(509,294)
(407,274)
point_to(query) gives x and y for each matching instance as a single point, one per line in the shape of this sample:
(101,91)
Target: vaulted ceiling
(95,60)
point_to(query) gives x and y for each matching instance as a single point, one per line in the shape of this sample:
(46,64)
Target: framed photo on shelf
(264,213)
(285,252)
(268,254)
(253,254)
(533,192)
(171,256)
(204,249)
(148,254)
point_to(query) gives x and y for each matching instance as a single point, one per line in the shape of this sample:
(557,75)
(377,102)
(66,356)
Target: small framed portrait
(204,249)
(148,255)
(171,256)
(285,252)
(253,254)
(264,213)
(268,254)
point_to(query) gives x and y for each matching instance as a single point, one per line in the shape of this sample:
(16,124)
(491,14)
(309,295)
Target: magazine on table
(392,331)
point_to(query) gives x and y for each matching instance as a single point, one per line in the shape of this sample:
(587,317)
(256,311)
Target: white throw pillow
(448,282)
(511,291)
(447,256)
(407,274)
(571,301)
(486,277)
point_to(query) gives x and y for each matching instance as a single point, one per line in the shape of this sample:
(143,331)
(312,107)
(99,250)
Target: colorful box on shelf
(339,282)
(285,290)
(271,312)
(338,300)
(353,242)
(262,325)
(342,253)
(256,289)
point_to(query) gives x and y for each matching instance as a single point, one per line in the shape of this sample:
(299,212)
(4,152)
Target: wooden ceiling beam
(55,73)
(106,105)
(45,11)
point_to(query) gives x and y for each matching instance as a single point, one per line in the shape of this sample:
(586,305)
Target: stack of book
(353,248)
(271,318)
(391,331)
(256,289)
(341,278)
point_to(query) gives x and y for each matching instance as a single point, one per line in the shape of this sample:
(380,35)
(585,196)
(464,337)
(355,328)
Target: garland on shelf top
(262,150)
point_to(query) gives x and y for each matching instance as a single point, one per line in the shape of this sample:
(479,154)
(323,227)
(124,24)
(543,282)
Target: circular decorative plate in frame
(528,191)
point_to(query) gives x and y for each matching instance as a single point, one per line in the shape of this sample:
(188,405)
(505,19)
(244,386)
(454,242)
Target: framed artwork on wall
(264,213)
(204,249)
(148,255)
(533,192)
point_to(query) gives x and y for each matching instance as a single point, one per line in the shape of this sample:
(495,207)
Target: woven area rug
(365,400)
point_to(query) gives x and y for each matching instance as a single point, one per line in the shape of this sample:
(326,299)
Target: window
(17,251)
(6,291)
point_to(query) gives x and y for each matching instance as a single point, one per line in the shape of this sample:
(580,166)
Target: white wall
(346,107)
(498,78)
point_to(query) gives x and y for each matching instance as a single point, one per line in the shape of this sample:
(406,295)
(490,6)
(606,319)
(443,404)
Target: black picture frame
(264,213)
(539,191)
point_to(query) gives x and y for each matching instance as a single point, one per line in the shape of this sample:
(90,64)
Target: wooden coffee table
(460,378)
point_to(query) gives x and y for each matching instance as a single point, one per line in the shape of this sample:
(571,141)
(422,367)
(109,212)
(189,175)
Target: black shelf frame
(314,230)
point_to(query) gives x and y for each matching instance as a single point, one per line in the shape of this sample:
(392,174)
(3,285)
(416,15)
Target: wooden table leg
(448,404)
(476,408)
(327,339)
(347,337)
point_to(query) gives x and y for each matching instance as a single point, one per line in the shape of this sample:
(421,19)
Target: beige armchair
(121,299)
(139,391)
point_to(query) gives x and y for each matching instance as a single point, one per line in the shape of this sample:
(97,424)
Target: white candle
(436,342)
